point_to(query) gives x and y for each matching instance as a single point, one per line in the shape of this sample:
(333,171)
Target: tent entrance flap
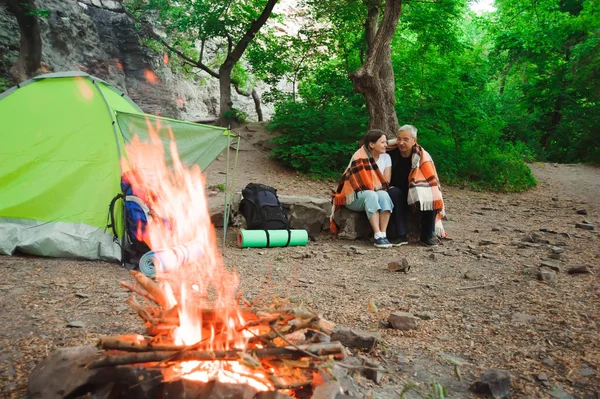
(196,144)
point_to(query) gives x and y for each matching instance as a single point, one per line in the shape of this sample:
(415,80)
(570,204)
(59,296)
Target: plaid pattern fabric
(362,174)
(424,189)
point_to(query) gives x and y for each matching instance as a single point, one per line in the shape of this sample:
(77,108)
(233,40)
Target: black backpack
(261,208)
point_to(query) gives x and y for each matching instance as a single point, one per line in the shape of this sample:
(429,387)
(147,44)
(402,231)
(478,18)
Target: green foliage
(236,115)
(40,13)
(319,134)
(444,86)
(202,38)
(221,187)
(547,55)
(5,84)
(310,139)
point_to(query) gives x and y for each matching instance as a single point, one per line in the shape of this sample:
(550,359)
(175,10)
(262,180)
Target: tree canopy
(488,92)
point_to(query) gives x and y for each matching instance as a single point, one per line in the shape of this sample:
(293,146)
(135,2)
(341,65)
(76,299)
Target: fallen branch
(287,329)
(476,286)
(151,287)
(133,288)
(287,352)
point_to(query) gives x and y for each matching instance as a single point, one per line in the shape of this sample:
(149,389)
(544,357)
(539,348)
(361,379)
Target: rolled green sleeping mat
(271,238)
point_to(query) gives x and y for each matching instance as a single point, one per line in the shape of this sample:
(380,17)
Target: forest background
(488,91)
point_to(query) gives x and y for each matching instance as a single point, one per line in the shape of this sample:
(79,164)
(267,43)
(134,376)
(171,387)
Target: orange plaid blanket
(362,174)
(424,189)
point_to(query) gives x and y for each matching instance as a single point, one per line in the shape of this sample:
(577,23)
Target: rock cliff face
(94,36)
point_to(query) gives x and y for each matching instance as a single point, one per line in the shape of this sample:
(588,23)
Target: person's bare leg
(384,219)
(375,222)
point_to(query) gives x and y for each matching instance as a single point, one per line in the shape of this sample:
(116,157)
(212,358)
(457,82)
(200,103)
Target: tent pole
(230,192)
(226,188)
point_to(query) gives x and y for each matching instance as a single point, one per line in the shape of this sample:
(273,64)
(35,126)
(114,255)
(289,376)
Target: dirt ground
(546,334)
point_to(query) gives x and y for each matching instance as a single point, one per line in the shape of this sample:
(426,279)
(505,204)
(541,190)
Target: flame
(119,65)
(84,88)
(166,59)
(150,76)
(191,270)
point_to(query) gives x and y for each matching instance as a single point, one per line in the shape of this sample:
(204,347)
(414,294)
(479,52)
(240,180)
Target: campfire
(267,346)
(199,330)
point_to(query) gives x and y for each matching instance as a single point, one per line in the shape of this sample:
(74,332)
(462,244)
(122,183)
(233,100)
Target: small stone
(374,372)
(522,318)
(82,295)
(355,338)
(473,275)
(587,372)
(401,359)
(403,321)
(486,242)
(493,382)
(582,212)
(547,275)
(558,256)
(580,269)
(557,392)
(530,270)
(495,229)
(328,390)
(550,265)
(432,256)
(548,362)
(401,266)
(16,291)
(542,376)
(119,294)
(444,337)
(534,237)
(557,250)
(547,230)
(585,226)
(75,324)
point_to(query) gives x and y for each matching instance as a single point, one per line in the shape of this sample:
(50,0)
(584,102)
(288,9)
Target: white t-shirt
(384,161)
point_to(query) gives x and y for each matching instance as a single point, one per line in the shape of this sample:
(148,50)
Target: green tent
(62,136)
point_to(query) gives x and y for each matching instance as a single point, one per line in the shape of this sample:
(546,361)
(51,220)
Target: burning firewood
(276,338)
(286,352)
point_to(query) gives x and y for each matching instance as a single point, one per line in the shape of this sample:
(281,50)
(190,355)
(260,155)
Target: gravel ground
(546,334)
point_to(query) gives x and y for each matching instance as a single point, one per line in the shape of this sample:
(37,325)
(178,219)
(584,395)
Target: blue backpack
(137,214)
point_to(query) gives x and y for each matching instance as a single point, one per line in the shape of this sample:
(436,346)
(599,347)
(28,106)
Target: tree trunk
(233,57)
(257,107)
(225,104)
(375,78)
(30,54)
